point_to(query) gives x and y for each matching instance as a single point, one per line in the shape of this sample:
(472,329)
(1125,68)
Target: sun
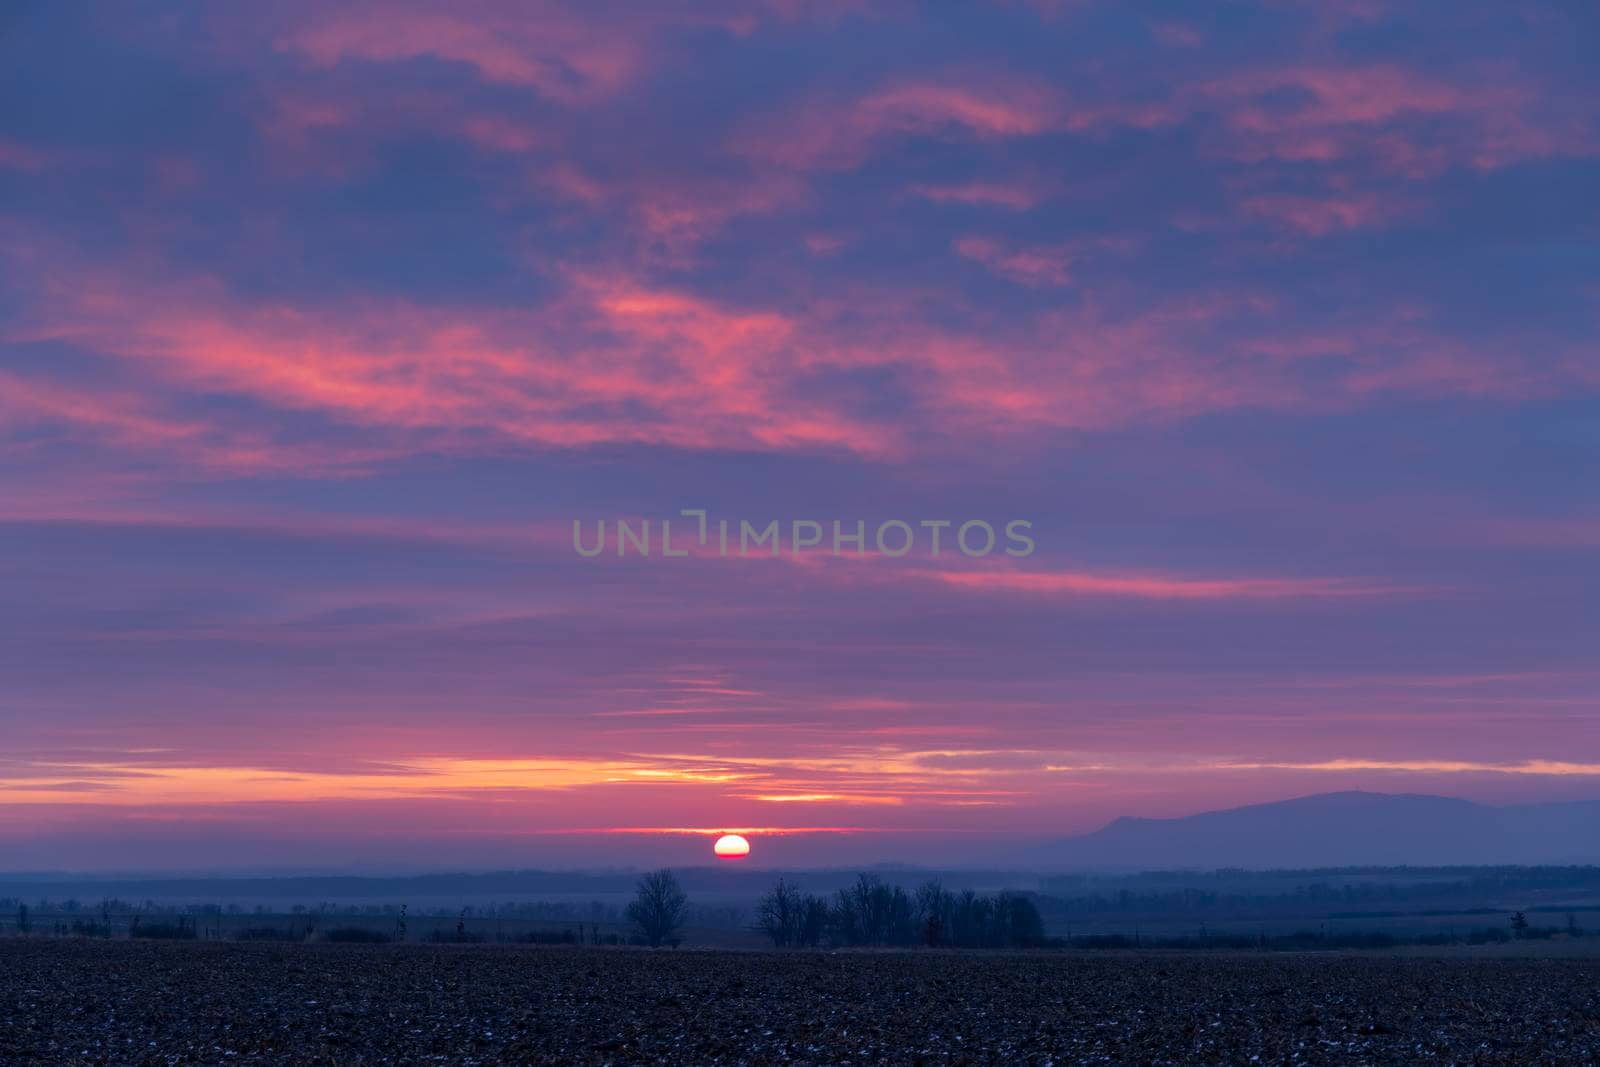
(731,847)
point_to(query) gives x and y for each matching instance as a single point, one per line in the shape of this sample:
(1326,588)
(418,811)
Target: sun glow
(731,847)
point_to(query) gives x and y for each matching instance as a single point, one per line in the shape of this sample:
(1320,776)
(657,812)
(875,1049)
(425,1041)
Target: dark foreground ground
(84,1001)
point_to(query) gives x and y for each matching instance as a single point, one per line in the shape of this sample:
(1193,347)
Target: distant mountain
(1340,830)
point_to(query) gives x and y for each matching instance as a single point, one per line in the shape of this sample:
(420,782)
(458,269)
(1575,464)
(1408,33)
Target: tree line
(872,912)
(869,912)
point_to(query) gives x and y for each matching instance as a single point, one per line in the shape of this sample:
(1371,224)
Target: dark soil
(87,1002)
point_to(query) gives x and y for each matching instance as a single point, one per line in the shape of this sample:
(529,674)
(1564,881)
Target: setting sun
(731,847)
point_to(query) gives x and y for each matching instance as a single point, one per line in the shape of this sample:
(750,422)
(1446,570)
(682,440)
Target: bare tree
(1018,923)
(781,914)
(813,920)
(872,913)
(935,908)
(659,907)
(791,917)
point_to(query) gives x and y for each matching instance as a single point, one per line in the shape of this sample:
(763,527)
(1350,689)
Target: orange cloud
(874,777)
(847,799)
(717,831)
(157,783)
(1558,768)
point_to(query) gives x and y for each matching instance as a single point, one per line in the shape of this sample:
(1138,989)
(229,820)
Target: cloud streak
(324,323)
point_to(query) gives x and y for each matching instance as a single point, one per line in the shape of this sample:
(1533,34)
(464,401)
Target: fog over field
(1338,870)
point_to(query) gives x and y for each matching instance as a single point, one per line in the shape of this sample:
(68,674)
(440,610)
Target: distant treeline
(1404,879)
(712,916)
(570,895)
(871,912)
(1354,892)
(1303,940)
(867,913)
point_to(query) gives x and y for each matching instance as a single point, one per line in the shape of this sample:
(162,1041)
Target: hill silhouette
(1343,829)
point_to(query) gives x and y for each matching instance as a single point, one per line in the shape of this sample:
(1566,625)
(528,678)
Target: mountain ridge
(1346,828)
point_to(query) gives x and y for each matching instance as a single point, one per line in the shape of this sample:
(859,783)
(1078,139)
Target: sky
(1273,326)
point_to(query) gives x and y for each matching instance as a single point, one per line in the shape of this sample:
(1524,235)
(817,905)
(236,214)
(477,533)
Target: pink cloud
(671,214)
(144,419)
(1018,196)
(1318,216)
(610,358)
(543,46)
(323,131)
(1407,122)
(1158,586)
(1177,34)
(824,244)
(825,11)
(611,361)
(833,135)
(568,52)
(125,416)
(1334,96)
(1045,265)
(15,155)
(1578,532)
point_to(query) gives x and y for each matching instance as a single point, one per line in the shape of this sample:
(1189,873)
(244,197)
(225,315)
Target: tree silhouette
(1019,924)
(936,905)
(658,908)
(781,914)
(814,920)
(872,913)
